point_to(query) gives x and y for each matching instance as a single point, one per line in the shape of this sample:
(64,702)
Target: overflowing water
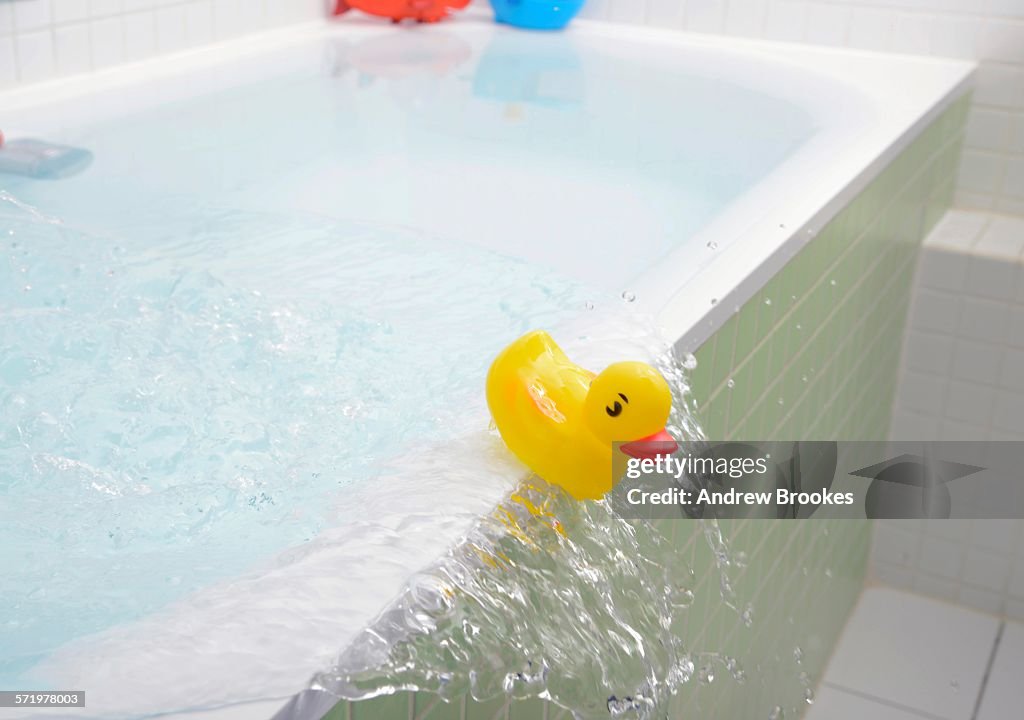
(551,598)
(173,414)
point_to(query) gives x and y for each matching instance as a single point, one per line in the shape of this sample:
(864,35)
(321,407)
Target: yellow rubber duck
(561,420)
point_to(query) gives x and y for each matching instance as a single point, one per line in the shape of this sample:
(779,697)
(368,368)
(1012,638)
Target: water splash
(507,611)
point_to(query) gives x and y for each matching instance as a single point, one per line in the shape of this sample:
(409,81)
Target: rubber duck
(560,419)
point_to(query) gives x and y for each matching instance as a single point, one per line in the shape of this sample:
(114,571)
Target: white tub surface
(682,169)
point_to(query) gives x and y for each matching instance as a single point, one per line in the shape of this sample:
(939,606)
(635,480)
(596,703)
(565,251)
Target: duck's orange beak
(660,443)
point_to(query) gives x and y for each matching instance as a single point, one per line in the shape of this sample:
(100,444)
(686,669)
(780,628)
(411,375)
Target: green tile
(700,377)
(338,712)
(385,707)
(747,335)
(527,710)
(487,710)
(431,707)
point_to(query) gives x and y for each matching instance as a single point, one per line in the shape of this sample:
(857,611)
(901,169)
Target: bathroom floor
(905,657)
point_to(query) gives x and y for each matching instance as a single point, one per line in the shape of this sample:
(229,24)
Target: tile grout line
(988,669)
(881,701)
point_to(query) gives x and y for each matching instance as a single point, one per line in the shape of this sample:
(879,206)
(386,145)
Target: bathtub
(604,171)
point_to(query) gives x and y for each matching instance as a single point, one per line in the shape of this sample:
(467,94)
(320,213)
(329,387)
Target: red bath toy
(419,10)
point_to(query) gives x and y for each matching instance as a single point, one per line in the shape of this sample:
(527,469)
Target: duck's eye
(624,398)
(615,410)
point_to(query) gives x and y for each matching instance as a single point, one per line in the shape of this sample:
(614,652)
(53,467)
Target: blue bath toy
(536,14)
(41,159)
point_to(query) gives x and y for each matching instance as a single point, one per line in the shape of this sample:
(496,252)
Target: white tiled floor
(906,657)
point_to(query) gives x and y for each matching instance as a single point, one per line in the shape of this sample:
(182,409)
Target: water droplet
(832,282)
(808,696)
(798,654)
(799,326)
(588,305)
(955,684)
(689,361)
(828,572)
(712,245)
(747,616)
(706,676)
(735,669)
(804,378)
(776,714)
(730,383)
(680,596)
(682,671)
(27,288)
(781,401)
(767,301)
(628,296)
(714,301)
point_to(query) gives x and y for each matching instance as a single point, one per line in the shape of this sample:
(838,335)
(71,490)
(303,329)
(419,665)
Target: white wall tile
(1013,182)
(956,36)
(871,28)
(1016,586)
(665,13)
(1009,411)
(935,311)
(929,353)
(981,172)
(65,11)
(912,33)
(226,16)
(35,55)
(107,41)
(970,402)
(1003,237)
(73,49)
(988,129)
(922,393)
(987,570)
(999,86)
(8,66)
(705,16)
(170,28)
(971,562)
(982,319)
(986,600)
(626,11)
(31,14)
(1007,8)
(827,24)
(199,22)
(977,361)
(746,19)
(1000,535)
(991,276)
(1012,375)
(786,20)
(105,8)
(6,19)
(941,557)
(1003,41)
(139,35)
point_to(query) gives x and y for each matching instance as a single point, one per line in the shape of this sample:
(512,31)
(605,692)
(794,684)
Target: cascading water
(166,394)
(552,598)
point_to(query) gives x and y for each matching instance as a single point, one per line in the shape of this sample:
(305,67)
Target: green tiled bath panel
(813,355)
